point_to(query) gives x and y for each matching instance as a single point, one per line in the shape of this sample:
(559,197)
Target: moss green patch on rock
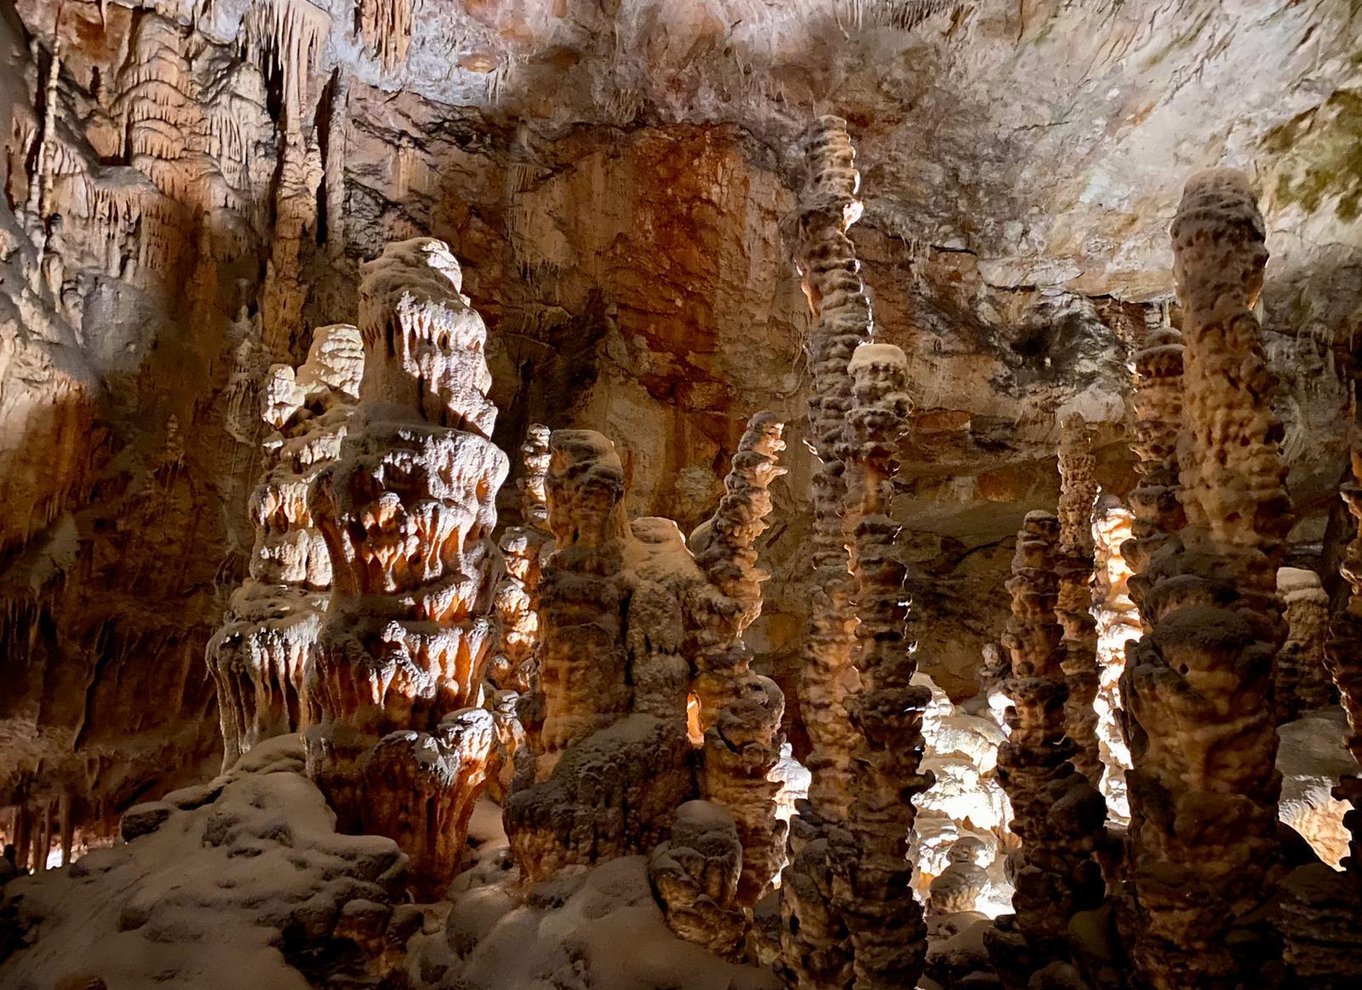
(1321,156)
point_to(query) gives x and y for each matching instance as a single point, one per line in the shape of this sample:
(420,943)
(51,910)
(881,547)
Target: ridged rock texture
(261,658)
(875,894)
(407,512)
(636,631)
(1203,847)
(1301,681)
(739,710)
(1345,666)
(1118,622)
(1057,812)
(841,322)
(1077,493)
(611,176)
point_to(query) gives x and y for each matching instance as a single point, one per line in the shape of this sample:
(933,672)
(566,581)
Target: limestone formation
(841,321)
(407,513)
(740,711)
(524,548)
(262,656)
(641,660)
(1345,666)
(1301,682)
(1078,492)
(886,708)
(1203,792)
(1118,622)
(695,874)
(1057,812)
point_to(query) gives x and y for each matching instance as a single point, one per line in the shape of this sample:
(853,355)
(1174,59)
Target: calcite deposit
(407,511)
(1198,686)
(261,659)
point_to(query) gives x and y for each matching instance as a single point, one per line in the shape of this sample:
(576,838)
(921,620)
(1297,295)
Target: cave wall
(201,181)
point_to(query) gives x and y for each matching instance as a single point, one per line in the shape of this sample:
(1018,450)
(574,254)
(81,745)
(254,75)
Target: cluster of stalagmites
(645,698)
(1057,811)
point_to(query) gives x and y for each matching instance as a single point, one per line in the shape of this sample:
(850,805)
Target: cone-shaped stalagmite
(1203,791)
(407,513)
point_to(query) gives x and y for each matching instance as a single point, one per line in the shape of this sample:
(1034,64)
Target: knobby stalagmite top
(1198,686)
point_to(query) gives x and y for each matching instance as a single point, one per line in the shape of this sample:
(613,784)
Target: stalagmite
(1078,492)
(842,320)
(884,920)
(407,512)
(524,548)
(1118,622)
(1058,814)
(740,711)
(1203,792)
(1301,682)
(262,656)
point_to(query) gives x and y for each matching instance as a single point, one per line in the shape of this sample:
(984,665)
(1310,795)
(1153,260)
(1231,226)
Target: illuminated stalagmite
(523,548)
(407,513)
(1057,812)
(827,259)
(883,917)
(261,658)
(1203,791)
(1118,622)
(1300,681)
(1078,491)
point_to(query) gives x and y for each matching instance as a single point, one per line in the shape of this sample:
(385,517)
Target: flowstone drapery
(1203,791)
(1057,812)
(407,511)
(262,656)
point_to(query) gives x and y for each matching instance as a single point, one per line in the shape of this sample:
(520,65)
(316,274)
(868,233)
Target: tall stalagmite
(740,710)
(1078,492)
(1203,791)
(262,656)
(1118,622)
(1300,679)
(842,320)
(1057,812)
(407,512)
(876,897)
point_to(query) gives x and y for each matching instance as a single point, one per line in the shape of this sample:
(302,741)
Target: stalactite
(884,919)
(1058,814)
(295,218)
(1300,680)
(261,657)
(1118,623)
(1078,492)
(831,281)
(407,512)
(386,28)
(1203,791)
